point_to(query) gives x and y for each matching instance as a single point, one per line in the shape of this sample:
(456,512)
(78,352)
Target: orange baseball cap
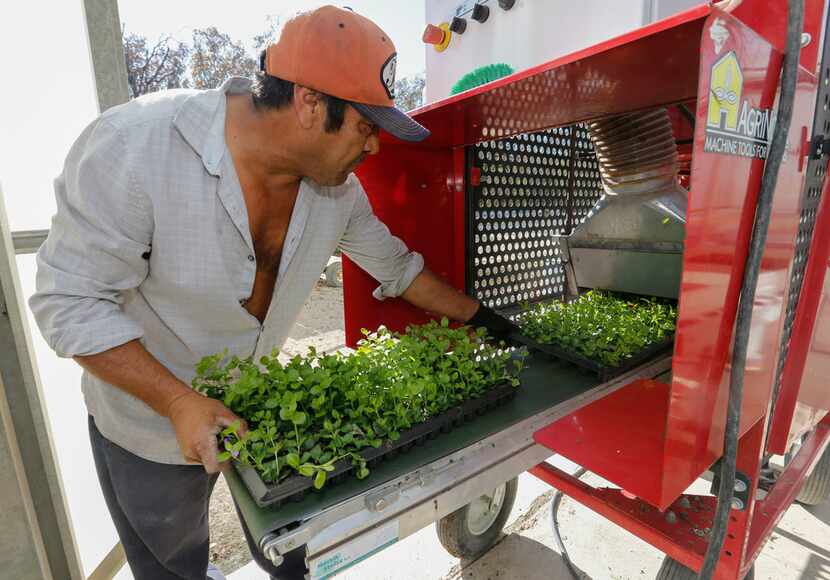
(343,54)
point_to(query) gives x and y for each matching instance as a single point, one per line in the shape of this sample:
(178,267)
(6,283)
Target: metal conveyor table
(348,522)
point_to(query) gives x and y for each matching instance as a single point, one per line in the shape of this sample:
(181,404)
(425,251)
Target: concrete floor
(798,550)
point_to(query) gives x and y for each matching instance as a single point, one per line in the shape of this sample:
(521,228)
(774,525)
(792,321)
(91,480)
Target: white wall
(531,33)
(47,98)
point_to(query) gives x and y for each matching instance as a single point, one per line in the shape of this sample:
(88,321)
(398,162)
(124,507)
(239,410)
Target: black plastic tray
(602,371)
(296,487)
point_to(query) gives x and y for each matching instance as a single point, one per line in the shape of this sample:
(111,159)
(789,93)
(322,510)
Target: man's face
(338,153)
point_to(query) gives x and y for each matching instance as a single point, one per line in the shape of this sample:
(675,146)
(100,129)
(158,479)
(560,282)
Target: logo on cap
(387,74)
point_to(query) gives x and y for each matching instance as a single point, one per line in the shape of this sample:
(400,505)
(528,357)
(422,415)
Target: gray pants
(160,511)
(161,514)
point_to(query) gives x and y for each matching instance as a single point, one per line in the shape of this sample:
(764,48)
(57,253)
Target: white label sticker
(353,551)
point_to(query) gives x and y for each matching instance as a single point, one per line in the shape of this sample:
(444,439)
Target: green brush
(481,76)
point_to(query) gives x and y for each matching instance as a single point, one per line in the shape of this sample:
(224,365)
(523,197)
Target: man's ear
(308,106)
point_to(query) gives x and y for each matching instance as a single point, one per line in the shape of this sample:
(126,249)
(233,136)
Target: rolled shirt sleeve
(368,242)
(96,249)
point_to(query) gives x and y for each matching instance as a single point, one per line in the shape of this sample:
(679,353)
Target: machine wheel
(816,487)
(471,530)
(334,274)
(673,570)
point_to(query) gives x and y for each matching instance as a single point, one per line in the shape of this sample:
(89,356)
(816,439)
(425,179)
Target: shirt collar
(201,121)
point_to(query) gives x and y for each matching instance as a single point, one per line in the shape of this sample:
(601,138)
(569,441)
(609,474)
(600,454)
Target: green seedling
(600,325)
(309,413)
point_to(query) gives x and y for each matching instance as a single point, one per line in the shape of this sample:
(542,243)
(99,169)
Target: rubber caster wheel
(816,488)
(674,570)
(334,274)
(471,530)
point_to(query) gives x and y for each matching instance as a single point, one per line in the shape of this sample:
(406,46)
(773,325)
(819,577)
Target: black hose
(795,10)
(554,509)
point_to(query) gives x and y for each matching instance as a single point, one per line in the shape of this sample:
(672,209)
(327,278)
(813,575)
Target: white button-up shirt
(151,241)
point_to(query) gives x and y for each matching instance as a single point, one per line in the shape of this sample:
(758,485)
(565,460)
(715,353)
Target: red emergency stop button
(438,36)
(433,35)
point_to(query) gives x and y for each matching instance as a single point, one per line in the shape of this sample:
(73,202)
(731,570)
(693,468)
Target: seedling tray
(296,487)
(603,372)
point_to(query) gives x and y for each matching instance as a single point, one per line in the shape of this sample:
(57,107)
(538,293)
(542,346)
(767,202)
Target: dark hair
(270,92)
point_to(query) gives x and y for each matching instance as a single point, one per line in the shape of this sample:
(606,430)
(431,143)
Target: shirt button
(250,257)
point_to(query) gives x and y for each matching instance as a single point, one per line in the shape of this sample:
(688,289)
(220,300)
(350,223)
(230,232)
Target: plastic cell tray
(295,487)
(603,372)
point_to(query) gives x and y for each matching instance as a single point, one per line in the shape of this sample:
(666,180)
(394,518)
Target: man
(189,222)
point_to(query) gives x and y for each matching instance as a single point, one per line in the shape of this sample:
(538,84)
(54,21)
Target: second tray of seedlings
(606,330)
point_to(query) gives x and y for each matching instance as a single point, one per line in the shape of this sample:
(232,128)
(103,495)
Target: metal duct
(632,239)
(637,156)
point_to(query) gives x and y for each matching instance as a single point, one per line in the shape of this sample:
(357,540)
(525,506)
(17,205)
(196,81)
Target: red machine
(717,76)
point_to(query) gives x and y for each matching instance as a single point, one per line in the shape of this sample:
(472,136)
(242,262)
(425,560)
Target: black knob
(458,25)
(480,13)
(506,4)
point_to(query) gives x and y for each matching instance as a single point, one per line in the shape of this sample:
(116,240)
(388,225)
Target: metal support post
(21,549)
(28,242)
(103,27)
(37,535)
(38,480)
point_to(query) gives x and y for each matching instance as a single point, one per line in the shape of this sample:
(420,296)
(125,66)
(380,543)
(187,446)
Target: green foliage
(600,325)
(215,57)
(168,63)
(155,65)
(313,411)
(481,76)
(409,92)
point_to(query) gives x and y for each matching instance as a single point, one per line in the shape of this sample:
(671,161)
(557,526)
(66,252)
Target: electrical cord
(795,12)
(554,509)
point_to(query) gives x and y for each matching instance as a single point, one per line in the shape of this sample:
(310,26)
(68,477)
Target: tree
(154,68)
(215,57)
(409,92)
(267,36)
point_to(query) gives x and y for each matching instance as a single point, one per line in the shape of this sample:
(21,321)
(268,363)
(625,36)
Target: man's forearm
(134,370)
(432,294)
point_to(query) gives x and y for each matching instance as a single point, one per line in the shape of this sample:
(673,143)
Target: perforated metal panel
(586,180)
(533,188)
(810,198)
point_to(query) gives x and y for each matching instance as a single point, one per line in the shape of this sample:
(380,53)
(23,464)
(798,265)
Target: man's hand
(497,326)
(197,421)
(431,293)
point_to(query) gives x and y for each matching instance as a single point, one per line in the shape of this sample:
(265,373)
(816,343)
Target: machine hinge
(743,488)
(819,147)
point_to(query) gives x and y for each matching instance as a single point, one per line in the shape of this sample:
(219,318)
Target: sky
(48,99)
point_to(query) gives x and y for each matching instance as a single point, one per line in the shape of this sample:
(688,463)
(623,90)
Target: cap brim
(393,121)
